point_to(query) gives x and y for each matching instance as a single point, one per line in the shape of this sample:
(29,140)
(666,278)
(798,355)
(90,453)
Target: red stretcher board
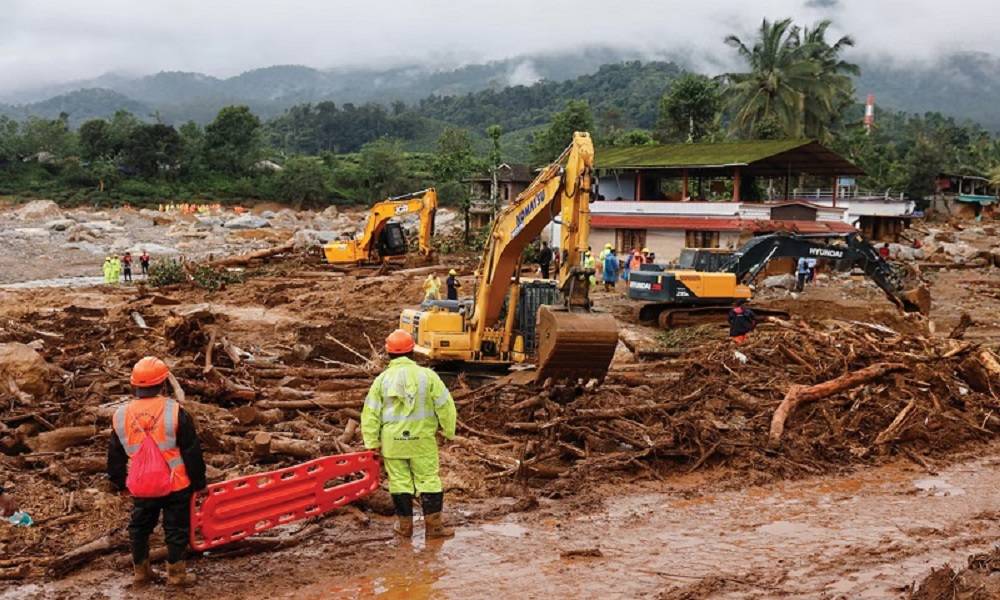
(229,511)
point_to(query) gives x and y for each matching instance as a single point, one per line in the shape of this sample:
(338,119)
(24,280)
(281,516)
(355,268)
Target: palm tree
(796,80)
(835,88)
(781,75)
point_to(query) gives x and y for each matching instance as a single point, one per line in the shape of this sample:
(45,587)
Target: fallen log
(891,432)
(253,415)
(245,259)
(800,394)
(58,440)
(270,371)
(113,541)
(265,445)
(85,464)
(313,403)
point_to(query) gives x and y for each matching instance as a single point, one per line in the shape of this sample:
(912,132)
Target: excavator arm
(361,249)
(570,344)
(755,255)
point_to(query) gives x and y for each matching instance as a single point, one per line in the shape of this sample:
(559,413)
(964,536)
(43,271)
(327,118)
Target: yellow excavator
(512,321)
(382,240)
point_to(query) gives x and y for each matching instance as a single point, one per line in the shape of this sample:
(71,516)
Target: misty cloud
(47,41)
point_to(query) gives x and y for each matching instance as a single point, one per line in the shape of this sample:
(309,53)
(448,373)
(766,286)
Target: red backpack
(148,472)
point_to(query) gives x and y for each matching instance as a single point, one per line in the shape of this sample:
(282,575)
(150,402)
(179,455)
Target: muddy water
(862,536)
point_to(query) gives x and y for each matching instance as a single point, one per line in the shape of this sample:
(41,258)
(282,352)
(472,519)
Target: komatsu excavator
(382,240)
(712,281)
(511,320)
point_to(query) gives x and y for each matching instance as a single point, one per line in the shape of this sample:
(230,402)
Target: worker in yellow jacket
(405,407)
(432,287)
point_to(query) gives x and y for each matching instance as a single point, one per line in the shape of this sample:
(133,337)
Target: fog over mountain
(184,59)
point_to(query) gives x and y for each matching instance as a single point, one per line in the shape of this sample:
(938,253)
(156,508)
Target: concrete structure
(965,196)
(511,181)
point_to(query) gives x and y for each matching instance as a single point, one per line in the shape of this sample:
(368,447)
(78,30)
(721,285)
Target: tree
(633,137)
(689,111)
(303,180)
(795,78)
(453,163)
(95,140)
(550,144)
(10,139)
(48,135)
(152,147)
(192,149)
(233,141)
(381,169)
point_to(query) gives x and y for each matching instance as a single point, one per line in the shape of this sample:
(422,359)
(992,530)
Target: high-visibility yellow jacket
(405,406)
(432,287)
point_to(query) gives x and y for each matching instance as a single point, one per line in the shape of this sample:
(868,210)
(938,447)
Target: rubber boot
(403,507)
(404,526)
(435,528)
(178,576)
(142,574)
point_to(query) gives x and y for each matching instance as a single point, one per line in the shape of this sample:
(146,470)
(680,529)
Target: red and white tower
(870,113)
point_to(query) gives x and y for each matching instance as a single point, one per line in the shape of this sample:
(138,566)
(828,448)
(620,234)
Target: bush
(212,280)
(166,272)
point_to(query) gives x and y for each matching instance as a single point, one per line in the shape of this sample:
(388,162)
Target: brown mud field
(841,453)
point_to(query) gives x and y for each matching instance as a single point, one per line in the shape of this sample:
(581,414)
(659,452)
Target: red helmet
(149,371)
(399,342)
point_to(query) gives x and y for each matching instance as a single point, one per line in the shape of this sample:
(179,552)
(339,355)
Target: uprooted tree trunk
(58,440)
(982,371)
(800,394)
(245,259)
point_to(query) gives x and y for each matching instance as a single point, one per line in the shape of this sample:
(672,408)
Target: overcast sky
(48,41)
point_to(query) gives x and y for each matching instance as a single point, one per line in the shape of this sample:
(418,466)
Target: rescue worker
(645,256)
(601,257)
(116,270)
(108,269)
(635,262)
(610,274)
(405,407)
(432,287)
(144,262)
(544,259)
(801,273)
(127,266)
(884,251)
(152,413)
(742,321)
(590,263)
(452,284)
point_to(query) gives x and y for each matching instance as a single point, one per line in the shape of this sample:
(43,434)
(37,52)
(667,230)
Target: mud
(660,483)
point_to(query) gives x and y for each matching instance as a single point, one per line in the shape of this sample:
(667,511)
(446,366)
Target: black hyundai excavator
(676,297)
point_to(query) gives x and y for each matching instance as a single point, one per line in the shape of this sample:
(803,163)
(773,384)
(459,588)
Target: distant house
(718,195)
(512,179)
(966,195)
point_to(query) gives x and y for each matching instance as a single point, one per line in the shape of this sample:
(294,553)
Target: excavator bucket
(574,345)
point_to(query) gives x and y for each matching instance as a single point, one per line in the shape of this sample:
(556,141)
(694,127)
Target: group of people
(432,286)
(118,269)
(154,454)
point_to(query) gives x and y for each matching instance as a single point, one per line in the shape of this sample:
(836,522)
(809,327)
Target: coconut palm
(795,79)
(835,88)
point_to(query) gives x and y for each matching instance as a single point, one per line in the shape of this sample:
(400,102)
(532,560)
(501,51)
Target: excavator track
(574,345)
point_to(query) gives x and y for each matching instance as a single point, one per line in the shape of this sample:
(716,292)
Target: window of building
(701,239)
(628,239)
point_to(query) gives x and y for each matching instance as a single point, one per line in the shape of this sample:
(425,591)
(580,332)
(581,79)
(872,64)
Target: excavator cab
(392,240)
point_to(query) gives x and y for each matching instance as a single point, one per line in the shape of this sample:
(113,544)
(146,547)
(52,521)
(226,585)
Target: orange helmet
(399,342)
(149,371)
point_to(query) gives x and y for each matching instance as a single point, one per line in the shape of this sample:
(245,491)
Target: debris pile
(795,400)
(977,581)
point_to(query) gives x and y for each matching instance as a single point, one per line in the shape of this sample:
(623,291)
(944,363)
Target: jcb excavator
(678,296)
(509,319)
(383,240)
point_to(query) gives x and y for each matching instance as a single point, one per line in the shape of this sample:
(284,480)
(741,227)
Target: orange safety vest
(160,416)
